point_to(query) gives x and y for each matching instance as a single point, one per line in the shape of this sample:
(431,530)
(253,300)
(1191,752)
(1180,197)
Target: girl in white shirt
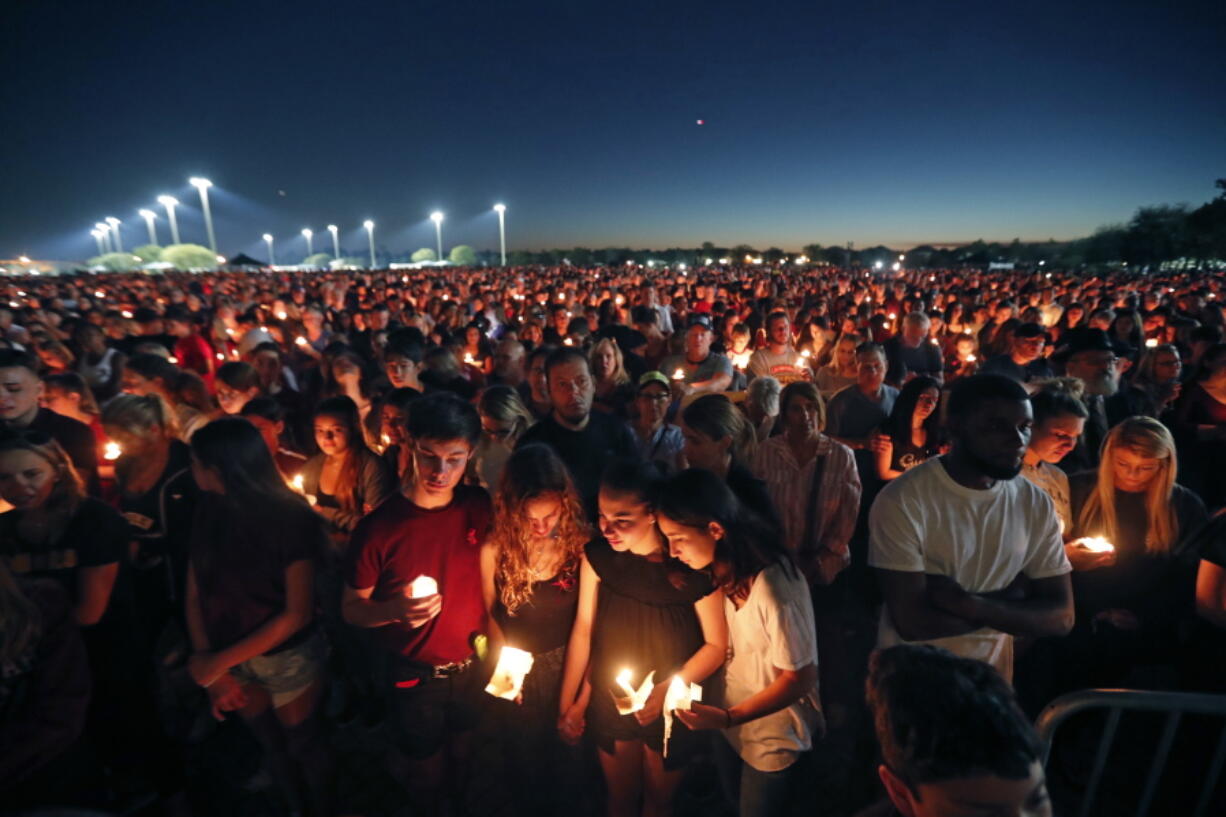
(771,709)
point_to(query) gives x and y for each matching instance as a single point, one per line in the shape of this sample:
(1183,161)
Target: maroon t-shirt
(400,541)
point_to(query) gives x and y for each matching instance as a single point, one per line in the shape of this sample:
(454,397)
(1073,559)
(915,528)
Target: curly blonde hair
(533,472)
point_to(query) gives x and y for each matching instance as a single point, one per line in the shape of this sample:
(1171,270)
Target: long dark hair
(236,450)
(345,410)
(898,426)
(695,498)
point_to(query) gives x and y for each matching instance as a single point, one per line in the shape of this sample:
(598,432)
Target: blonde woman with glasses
(1130,604)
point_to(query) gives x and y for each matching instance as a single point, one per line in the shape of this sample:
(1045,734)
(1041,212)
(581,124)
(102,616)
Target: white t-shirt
(925,522)
(772,632)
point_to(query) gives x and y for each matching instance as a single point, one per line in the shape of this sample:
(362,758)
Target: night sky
(877,122)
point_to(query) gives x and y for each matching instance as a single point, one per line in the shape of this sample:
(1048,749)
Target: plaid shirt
(838,496)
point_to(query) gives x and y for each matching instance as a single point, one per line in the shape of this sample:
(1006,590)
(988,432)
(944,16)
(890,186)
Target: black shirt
(543,623)
(586,452)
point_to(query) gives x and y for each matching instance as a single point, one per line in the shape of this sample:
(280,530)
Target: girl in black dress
(911,434)
(530,583)
(640,612)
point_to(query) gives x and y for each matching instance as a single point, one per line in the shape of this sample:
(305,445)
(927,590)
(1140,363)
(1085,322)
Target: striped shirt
(789,483)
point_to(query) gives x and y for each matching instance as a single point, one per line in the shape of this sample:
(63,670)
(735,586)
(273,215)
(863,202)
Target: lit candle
(1151,343)
(741,360)
(1095,544)
(422,586)
(805,353)
(679,375)
(634,699)
(508,679)
(300,340)
(468,358)
(970,358)
(125,313)
(678,696)
(296,484)
(173,359)
(281,315)
(220,356)
(111,451)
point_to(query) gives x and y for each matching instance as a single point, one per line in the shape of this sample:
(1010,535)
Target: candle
(468,358)
(741,360)
(568,342)
(111,451)
(125,313)
(508,679)
(296,484)
(1151,343)
(220,356)
(678,696)
(173,359)
(970,358)
(679,375)
(634,699)
(300,340)
(1096,544)
(805,353)
(422,586)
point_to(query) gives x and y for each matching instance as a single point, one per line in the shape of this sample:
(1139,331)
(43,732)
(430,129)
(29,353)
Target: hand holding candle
(1090,553)
(634,699)
(508,679)
(112,451)
(416,603)
(678,697)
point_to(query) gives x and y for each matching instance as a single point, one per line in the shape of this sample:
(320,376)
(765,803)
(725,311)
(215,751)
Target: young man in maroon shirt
(435,529)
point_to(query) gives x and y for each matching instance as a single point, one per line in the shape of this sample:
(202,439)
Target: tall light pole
(501,210)
(437,218)
(114,222)
(149,216)
(203,186)
(307,234)
(170,203)
(336,242)
(105,229)
(272,259)
(98,234)
(370,235)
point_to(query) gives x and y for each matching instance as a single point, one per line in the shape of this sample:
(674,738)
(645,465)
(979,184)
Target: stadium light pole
(501,210)
(170,203)
(149,216)
(272,259)
(437,218)
(370,236)
(203,186)
(308,235)
(105,229)
(97,234)
(114,222)
(336,242)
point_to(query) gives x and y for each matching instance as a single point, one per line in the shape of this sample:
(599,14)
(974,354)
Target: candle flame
(634,699)
(679,375)
(1096,544)
(281,315)
(111,451)
(423,586)
(296,483)
(300,340)
(679,696)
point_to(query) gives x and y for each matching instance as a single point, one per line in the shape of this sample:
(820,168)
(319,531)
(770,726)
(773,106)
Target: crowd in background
(311,500)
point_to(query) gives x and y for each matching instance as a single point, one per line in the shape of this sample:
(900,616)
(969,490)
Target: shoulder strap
(807,544)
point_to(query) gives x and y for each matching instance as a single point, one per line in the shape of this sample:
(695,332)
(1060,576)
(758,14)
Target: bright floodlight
(268,236)
(368,224)
(111,220)
(102,227)
(196,181)
(306,232)
(500,208)
(436,217)
(168,201)
(147,214)
(332,228)
(877,265)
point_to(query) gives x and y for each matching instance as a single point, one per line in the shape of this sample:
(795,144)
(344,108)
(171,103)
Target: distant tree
(320,260)
(1157,234)
(773,255)
(834,255)
(581,256)
(739,252)
(148,253)
(116,261)
(813,251)
(424,254)
(519,258)
(463,255)
(189,257)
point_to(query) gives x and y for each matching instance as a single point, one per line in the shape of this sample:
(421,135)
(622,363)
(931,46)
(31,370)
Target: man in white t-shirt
(968,554)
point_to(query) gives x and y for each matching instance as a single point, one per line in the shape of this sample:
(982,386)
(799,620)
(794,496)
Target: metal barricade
(1175,705)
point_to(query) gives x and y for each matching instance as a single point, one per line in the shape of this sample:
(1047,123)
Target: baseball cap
(648,378)
(698,320)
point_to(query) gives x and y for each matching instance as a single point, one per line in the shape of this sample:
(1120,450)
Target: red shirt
(194,354)
(400,541)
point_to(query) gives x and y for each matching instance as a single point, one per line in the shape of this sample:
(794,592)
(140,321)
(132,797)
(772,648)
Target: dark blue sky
(869,122)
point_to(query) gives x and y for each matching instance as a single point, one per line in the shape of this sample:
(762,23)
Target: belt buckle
(446,670)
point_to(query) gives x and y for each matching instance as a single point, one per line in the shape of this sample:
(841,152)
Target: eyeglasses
(655,397)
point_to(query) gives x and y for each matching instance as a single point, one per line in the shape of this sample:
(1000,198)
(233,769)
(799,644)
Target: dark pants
(756,793)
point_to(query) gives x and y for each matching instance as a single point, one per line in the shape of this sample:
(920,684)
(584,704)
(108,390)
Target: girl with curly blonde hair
(530,581)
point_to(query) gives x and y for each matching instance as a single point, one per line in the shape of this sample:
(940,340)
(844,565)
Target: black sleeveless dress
(645,621)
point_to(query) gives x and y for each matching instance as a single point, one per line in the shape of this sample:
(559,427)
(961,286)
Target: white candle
(634,699)
(296,483)
(508,679)
(423,586)
(112,451)
(679,375)
(678,696)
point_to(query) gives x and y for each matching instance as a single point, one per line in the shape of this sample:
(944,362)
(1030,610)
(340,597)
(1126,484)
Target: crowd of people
(717,506)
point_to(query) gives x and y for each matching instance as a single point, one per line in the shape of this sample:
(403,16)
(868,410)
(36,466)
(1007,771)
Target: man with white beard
(1089,356)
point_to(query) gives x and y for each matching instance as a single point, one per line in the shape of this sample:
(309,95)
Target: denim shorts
(287,674)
